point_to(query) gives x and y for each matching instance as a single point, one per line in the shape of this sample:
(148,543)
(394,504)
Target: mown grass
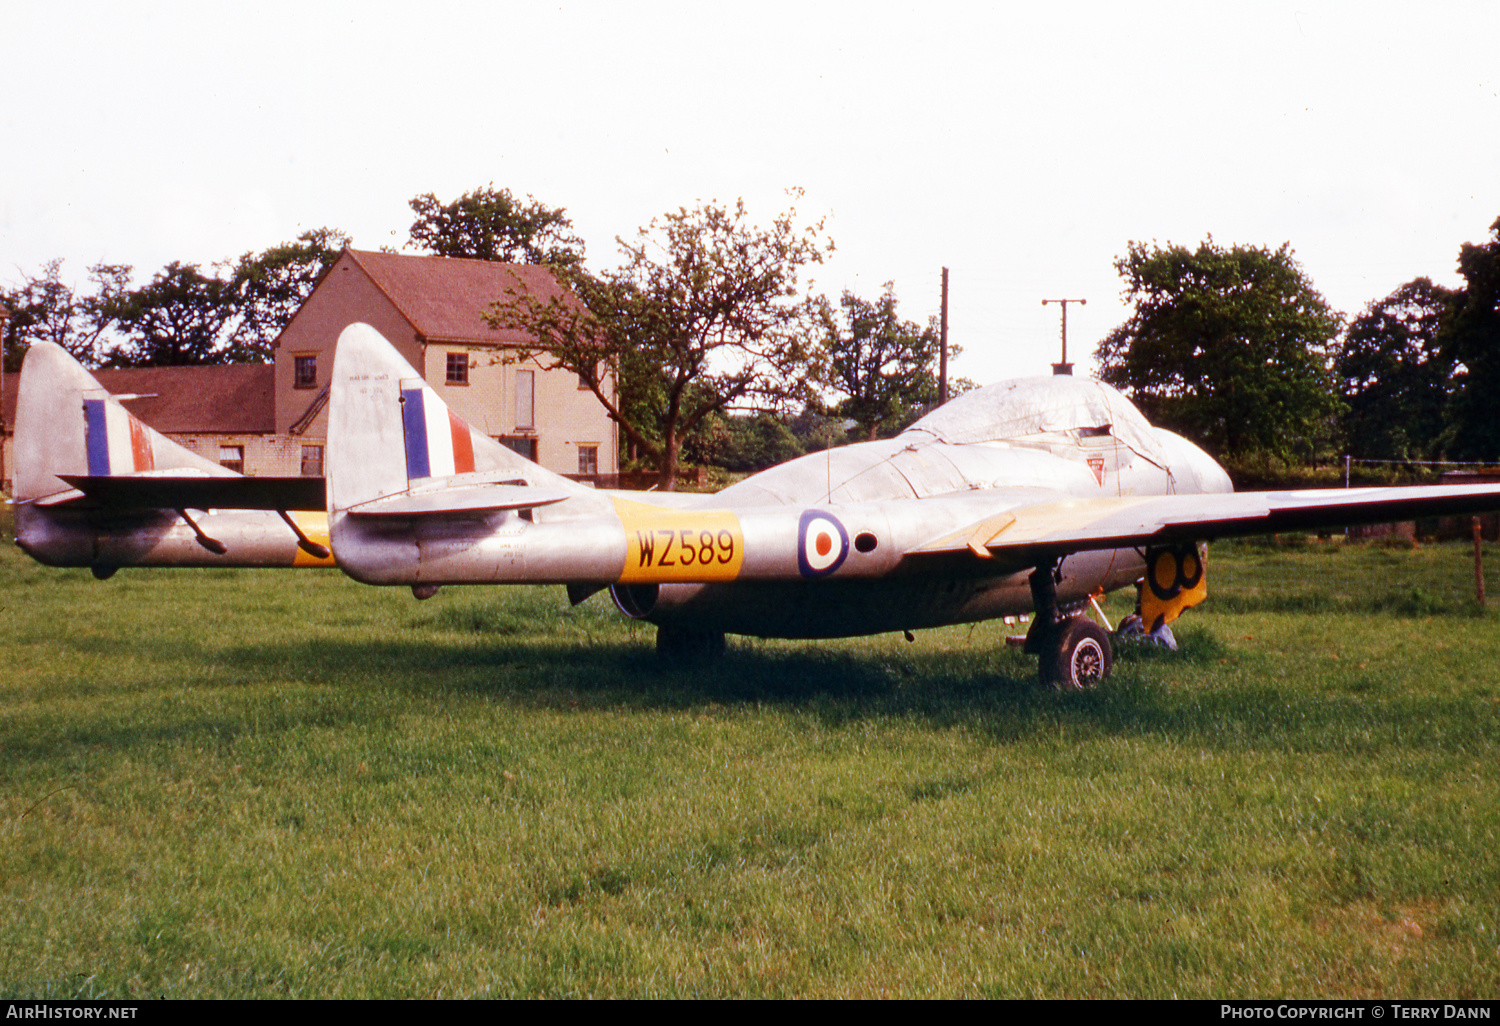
(1307,574)
(259,784)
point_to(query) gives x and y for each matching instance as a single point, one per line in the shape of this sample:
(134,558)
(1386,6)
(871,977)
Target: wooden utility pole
(4,326)
(943,345)
(1065,367)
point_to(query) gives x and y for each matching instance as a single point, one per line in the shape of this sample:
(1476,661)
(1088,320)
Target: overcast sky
(1021,145)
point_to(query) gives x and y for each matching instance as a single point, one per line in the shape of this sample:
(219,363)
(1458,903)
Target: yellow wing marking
(1040,521)
(1030,523)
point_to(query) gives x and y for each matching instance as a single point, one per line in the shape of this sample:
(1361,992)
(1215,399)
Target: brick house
(430,309)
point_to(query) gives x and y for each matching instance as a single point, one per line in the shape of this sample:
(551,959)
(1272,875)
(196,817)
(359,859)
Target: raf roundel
(822,544)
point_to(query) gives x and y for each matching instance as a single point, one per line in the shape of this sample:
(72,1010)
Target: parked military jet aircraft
(1025,497)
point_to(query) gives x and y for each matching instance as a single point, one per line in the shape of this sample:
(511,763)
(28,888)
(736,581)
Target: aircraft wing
(1076,525)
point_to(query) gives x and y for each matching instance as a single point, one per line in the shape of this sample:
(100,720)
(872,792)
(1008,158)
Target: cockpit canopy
(1028,410)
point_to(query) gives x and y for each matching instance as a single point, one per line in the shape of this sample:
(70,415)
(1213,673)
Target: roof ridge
(354,255)
(448,259)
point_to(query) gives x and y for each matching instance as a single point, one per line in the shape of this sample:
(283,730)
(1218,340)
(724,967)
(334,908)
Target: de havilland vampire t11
(1026,497)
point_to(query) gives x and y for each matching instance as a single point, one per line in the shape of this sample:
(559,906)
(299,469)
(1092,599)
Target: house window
(306,372)
(588,459)
(525,399)
(458,368)
(524,445)
(232,457)
(312,461)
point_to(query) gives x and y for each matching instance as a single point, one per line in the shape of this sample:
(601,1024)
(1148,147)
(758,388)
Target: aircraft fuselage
(773,557)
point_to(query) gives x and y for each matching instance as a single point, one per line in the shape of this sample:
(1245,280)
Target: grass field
(284,784)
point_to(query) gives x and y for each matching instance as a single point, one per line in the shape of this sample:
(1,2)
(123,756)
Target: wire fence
(1422,568)
(1339,573)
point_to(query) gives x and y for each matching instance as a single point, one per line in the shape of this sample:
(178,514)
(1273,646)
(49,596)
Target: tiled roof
(233,399)
(237,397)
(444,297)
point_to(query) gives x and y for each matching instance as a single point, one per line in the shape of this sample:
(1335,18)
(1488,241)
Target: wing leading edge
(1057,528)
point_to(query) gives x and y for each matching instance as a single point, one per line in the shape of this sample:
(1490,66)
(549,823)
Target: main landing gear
(681,646)
(1074,652)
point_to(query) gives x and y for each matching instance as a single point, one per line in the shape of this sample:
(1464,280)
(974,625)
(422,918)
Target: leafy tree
(1396,375)
(885,368)
(742,443)
(1230,346)
(180,317)
(1472,338)
(491,224)
(705,312)
(268,287)
(46,309)
(184,316)
(815,430)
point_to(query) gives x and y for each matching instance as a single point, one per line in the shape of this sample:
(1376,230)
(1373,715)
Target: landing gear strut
(1074,652)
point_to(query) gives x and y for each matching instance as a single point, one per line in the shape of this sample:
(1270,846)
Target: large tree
(45,308)
(180,317)
(706,311)
(1472,338)
(1229,346)
(492,224)
(885,368)
(232,314)
(1396,375)
(743,444)
(268,287)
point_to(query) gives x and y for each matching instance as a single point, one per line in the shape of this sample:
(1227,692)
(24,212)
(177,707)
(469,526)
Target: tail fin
(67,424)
(395,447)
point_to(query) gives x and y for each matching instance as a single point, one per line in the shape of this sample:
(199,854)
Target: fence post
(1478,563)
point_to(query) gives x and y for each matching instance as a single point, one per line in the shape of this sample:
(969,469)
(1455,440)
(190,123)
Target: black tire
(1080,657)
(683,646)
